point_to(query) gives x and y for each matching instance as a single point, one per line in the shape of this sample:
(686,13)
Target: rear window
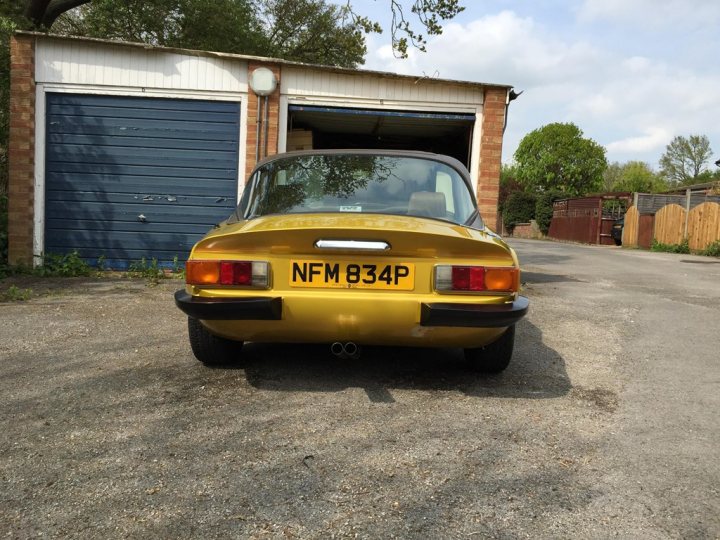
(357,183)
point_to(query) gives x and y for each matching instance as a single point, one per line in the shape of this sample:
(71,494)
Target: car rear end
(384,280)
(359,247)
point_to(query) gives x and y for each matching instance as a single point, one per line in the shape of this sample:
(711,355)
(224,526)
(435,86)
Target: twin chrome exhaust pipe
(346,351)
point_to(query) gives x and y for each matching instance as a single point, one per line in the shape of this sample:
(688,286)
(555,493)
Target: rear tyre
(210,349)
(495,357)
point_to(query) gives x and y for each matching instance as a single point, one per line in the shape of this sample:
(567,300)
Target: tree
(312,31)
(509,184)
(43,13)
(612,176)
(637,176)
(429,13)
(686,158)
(558,157)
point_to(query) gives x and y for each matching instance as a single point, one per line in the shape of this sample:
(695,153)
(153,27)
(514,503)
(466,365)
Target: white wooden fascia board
(150,92)
(102,63)
(39,178)
(475,150)
(308,81)
(282,124)
(242,150)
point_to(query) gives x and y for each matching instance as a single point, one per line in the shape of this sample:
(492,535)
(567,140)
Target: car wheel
(495,357)
(210,349)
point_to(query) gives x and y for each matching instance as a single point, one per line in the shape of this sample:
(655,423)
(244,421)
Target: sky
(632,74)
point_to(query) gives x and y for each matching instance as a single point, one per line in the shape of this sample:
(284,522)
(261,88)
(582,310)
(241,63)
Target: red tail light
(468,278)
(236,273)
(476,279)
(239,273)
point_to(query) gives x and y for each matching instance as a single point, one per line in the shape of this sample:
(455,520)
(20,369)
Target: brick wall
(493,120)
(527,230)
(21,150)
(273,120)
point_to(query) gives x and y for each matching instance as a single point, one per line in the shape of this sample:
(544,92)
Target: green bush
(544,208)
(670,248)
(519,208)
(15,294)
(149,270)
(713,250)
(67,265)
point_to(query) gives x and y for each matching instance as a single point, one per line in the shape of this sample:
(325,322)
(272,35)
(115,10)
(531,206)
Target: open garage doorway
(320,128)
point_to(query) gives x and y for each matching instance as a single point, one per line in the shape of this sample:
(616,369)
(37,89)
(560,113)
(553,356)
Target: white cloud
(629,98)
(659,13)
(654,140)
(509,47)
(597,105)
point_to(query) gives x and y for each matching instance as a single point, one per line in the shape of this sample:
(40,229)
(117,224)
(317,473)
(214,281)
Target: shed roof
(705,186)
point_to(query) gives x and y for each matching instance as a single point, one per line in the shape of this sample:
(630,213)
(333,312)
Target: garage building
(125,151)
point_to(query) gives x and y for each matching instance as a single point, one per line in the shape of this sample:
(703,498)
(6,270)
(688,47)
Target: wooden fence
(630,229)
(668,226)
(586,219)
(704,225)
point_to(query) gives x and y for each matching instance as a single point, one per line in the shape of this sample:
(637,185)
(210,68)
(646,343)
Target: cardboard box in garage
(299,139)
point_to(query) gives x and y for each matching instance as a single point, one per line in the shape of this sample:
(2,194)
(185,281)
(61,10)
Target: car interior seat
(427,204)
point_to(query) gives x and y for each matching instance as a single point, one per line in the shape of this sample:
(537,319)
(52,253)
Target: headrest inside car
(427,204)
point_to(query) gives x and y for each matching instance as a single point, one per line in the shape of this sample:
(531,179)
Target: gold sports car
(352,248)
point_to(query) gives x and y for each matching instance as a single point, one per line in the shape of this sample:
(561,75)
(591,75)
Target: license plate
(346,275)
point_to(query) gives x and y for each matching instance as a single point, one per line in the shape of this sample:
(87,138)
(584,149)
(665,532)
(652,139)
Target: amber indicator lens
(202,272)
(501,279)
(239,273)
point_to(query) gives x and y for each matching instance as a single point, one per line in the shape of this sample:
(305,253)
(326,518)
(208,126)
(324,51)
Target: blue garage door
(128,177)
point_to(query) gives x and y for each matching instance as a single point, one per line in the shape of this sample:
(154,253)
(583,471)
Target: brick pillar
(21,150)
(273,119)
(493,119)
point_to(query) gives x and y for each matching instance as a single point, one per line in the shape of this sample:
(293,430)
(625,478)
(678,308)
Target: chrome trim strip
(360,245)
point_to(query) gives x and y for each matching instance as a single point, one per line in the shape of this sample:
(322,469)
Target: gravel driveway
(605,424)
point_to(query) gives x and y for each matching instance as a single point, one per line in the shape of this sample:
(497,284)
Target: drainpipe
(257,132)
(267,123)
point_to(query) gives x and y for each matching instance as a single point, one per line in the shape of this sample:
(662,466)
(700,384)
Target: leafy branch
(430,13)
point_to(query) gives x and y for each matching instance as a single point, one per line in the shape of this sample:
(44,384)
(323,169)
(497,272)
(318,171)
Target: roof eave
(212,54)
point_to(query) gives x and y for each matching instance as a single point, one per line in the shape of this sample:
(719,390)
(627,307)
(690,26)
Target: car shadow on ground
(710,261)
(544,277)
(536,371)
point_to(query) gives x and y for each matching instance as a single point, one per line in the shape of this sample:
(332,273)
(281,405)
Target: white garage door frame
(41,89)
